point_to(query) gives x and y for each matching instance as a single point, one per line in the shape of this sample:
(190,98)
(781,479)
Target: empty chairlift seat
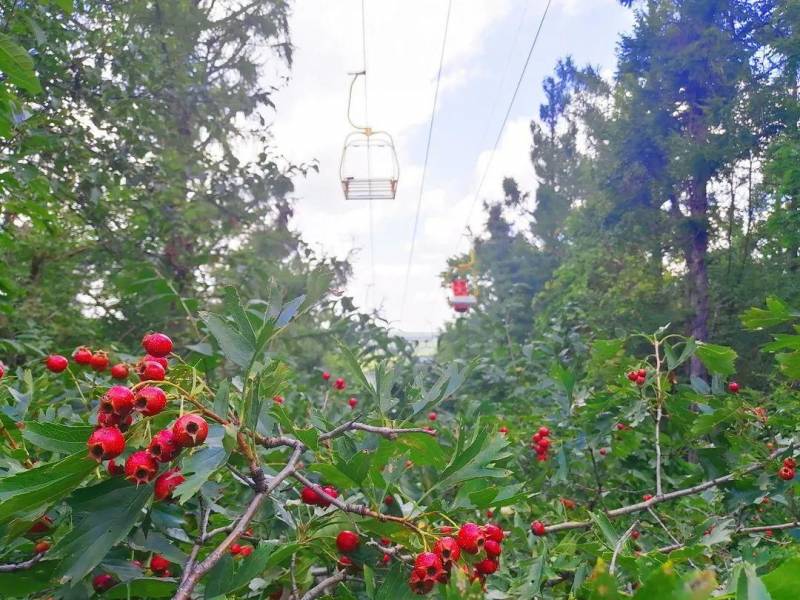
(369,169)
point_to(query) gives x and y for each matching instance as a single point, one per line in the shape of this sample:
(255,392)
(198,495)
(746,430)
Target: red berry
(640,380)
(790,462)
(635,534)
(41,526)
(190,430)
(620,426)
(167,482)
(112,420)
(420,584)
(118,400)
(603,451)
(56,363)
(152,371)
(768,533)
(339,384)
(330,491)
(386,559)
(428,563)
(538,528)
(82,356)
(503,430)
(347,541)
(641,373)
(277,399)
(345,562)
(309,496)
(2,369)
(493,532)
(446,529)
(99,361)
(114,469)
(733,387)
(326,376)
(156,359)
(157,344)
(388,500)
(41,547)
(105,443)
(544,431)
(493,549)
(119,371)
(486,567)
(632,375)
(150,401)
(432,416)
(647,497)
(352,402)
(470,538)
(536,437)
(447,549)
(246,551)
(235,549)
(543,444)
(786,473)
(158,563)
(567,503)
(140,467)
(163,446)
(103,582)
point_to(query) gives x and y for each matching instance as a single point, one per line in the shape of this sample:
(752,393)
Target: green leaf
(776,313)
(749,586)
(143,587)
(103,515)
(395,586)
(235,347)
(226,577)
(783,583)
(609,533)
(717,359)
(425,449)
(357,467)
(355,369)
(25,496)
(23,583)
(790,364)
(17,64)
(475,462)
(67,439)
(202,464)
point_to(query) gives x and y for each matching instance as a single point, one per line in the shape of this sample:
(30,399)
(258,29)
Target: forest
(193,405)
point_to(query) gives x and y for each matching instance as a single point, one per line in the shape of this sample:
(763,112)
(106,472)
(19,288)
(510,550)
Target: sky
(487,44)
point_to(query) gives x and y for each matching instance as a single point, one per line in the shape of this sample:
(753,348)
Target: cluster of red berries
(238,550)
(638,377)
(310,496)
(338,384)
(540,442)
(483,542)
(733,387)
(117,407)
(787,470)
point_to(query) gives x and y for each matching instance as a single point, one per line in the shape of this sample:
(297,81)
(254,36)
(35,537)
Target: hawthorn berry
(119,371)
(326,376)
(156,359)
(309,496)
(386,559)
(388,500)
(190,430)
(786,473)
(635,534)
(157,344)
(235,549)
(99,361)
(167,482)
(277,399)
(493,532)
(448,550)
(420,584)
(158,563)
(150,401)
(163,446)
(647,497)
(115,469)
(112,420)
(82,355)
(246,551)
(543,431)
(41,547)
(470,537)
(118,400)
(620,426)
(790,462)
(2,370)
(632,375)
(486,567)
(538,528)
(493,549)
(347,541)
(105,443)
(641,373)
(140,467)
(345,562)
(330,491)
(43,525)
(567,503)
(56,363)
(733,387)
(103,582)
(640,380)
(339,384)
(543,444)
(428,564)
(352,402)
(503,430)
(432,416)
(603,451)
(151,371)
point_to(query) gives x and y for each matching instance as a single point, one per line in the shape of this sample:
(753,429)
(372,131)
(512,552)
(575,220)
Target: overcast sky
(486,48)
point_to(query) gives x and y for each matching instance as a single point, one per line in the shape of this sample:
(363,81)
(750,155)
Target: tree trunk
(696,251)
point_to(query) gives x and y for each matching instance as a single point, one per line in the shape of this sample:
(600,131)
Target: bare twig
(620,543)
(740,531)
(688,491)
(21,566)
(324,585)
(387,432)
(659,413)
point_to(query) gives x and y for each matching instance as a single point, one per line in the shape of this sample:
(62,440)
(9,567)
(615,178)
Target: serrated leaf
(235,347)
(202,464)
(776,313)
(143,587)
(17,65)
(67,439)
(607,529)
(395,586)
(783,583)
(103,515)
(289,310)
(717,359)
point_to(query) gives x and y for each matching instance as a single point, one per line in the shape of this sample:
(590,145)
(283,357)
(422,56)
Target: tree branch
(620,543)
(21,566)
(323,585)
